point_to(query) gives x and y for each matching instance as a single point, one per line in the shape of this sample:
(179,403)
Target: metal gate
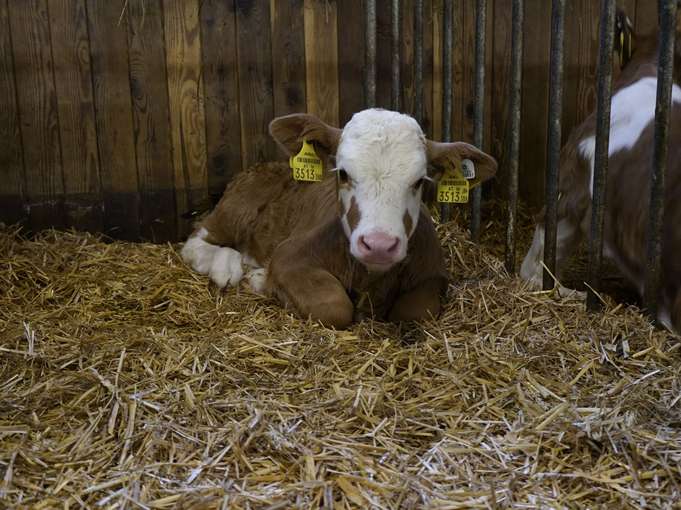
(667,25)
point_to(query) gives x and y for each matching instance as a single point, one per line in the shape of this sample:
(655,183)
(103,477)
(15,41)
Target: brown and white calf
(362,234)
(628,184)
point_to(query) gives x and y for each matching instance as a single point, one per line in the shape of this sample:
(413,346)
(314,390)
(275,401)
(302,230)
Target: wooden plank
(581,59)
(458,70)
(78,133)
(255,81)
(535,101)
(30,32)
(351,48)
(437,60)
(383,53)
(427,123)
(223,127)
(407,71)
(187,116)
(321,50)
(489,74)
(113,108)
(150,114)
(11,158)
(288,55)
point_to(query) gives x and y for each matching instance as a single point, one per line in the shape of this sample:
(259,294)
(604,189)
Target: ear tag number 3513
(306,165)
(453,187)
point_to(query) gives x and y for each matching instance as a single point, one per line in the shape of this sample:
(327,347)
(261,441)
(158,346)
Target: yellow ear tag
(453,187)
(306,165)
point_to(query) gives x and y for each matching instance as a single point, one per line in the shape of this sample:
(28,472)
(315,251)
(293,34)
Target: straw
(129,381)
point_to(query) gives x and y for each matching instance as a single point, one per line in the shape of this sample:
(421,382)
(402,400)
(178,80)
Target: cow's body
(628,185)
(324,248)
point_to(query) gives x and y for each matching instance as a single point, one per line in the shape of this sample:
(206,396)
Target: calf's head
(382,161)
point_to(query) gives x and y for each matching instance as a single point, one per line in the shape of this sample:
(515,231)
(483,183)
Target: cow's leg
(421,302)
(314,293)
(568,235)
(670,315)
(205,255)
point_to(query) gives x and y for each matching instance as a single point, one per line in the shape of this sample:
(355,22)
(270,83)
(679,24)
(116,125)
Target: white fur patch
(226,267)
(532,269)
(221,264)
(632,110)
(383,152)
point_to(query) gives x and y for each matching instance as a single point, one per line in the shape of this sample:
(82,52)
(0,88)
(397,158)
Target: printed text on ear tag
(306,165)
(453,187)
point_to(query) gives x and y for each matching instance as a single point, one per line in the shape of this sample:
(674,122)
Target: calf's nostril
(363,244)
(393,248)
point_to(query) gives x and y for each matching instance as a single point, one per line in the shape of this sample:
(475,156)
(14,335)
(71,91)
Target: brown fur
(353,215)
(408,223)
(294,229)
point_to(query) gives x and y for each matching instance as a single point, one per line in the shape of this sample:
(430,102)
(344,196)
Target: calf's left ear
(442,156)
(291,130)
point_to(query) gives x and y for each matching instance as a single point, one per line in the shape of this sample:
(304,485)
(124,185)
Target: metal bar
(518,18)
(396,84)
(370,54)
(479,113)
(554,139)
(665,73)
(600,172)
(418,60)
(447,79)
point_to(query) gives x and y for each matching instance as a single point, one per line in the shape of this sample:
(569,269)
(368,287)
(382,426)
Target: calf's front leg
(568,235)
(418,303)
(314,293)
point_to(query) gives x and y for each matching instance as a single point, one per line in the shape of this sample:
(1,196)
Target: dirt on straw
(129,381)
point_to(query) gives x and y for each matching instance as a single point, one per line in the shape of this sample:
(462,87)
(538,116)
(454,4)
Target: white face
(381,160)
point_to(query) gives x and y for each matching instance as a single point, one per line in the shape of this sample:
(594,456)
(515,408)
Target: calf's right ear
(442,156)
(291,130)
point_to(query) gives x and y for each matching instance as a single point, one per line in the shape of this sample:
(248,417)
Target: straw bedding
(127,381)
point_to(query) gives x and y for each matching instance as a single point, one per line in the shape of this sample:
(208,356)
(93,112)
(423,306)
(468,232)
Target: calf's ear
(442,156)
(625,37)
(291,130)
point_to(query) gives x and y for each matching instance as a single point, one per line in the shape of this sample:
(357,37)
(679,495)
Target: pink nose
(378,248)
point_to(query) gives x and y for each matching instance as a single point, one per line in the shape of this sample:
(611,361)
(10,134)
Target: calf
(361,235)
(628,184)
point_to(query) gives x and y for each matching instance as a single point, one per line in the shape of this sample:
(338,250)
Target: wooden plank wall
(121,116)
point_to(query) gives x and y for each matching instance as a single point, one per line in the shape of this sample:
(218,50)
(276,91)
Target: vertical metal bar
(396,84)
(665,73)
(554,139)
(518,18)
(447,79)
(370,54)
(600,175)
(479,113)
(418,60)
